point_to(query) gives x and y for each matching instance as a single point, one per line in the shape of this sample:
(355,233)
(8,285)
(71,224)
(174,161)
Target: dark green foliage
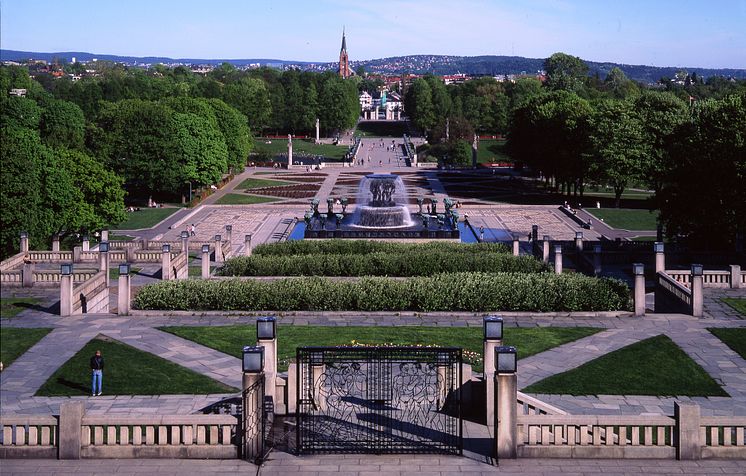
(62,124)
(413,263)
(654,366)
(19,112)
(475,292)
(347,247)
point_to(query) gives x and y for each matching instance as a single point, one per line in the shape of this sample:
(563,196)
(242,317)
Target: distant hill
(417,64)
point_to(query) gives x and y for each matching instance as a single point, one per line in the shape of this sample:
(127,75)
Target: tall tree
(565,72)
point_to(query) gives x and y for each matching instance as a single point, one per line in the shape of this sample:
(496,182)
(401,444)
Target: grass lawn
(251,183)
(626,218)
(739,304)
(145,218)
(15,341)
(491,151)
(239,199)
(609,192)
(529,341)
(114,272)
(733,338)
(196,271)
(11,307)
(127,371)
(113,237)
(280,146)
(654,366)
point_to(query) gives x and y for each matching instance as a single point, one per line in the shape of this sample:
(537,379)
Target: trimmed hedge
(347,247)
(475,292)
(415,263)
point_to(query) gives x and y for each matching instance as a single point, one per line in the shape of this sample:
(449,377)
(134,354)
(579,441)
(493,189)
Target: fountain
(382,203)
(381,212)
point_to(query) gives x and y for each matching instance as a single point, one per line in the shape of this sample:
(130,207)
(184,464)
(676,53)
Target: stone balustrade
(710,278)
(11,278)
(180,266)
(722,437)
(12,262)
(91,295)
(148,256)
(528,405)
(28,436)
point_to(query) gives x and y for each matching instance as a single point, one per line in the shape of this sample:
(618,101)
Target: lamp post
(206,261)
(266,335)
(579,240)
(558,259)
(66,289)
(218,249)
(638,269)
(506,383)
(492,329)
(660,256)
(185,242)
(123,299)
(247,245)
(166,262)
(545,248)
(696,286)
(103,259)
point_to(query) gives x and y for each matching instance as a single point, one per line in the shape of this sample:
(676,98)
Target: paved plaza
(271,222)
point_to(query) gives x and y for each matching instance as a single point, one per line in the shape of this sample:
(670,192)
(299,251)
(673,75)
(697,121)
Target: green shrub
(475,292)
(348,247)
(414,263)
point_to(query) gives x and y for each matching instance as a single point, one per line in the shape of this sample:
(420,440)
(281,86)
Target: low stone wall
(179,265)
(671,295)
(28,436)
(91,296)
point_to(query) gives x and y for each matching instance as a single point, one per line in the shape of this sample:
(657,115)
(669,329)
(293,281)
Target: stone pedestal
(488,357)
(66,295)
(24,244)
(686,431)
(516,246)
(104,235)
(56,243)
(28,275)
(697,296)
(166,266)
(579,241)
(70,429)
(639,295)
(123,300)
(247,245)
(206,264)
(317,131)
(735,276)
(558,259)
(660,262)
(103,264)
(218,250)
(545,250)
(77,252)
(506,432)
(270,365)
(86,244)
(290,152)
(185,245)
(596,260)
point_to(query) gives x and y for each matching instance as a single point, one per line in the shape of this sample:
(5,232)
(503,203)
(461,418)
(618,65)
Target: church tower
(344,62)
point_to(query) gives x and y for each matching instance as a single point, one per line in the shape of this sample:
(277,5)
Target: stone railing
(528,405)
(595,436)
(722,437)
(12,262)
(92,295)
(28,436)
(51,256)
(710,278)
(193,245)
(11,278)
(148,256)
(671,295)
(53,277)
(180,268)
(178,436)
(121,244)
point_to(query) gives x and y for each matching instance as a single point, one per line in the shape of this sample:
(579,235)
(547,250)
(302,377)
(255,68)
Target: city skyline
(661,34)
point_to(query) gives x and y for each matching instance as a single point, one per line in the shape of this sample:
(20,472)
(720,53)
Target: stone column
(229,233)
(290,151)
(123,300)
(104,235)
(375,118)
(506,433)
(516,246)
(166,263)
(185,243)
(292,387)
(270,365)
(55,242)
(28,275)
(103,264)
(70,430)
(558,259)
(66,295)
(686,431)
(24,242)
(534,233)
(474,150)
(735,276)
(86,243)
(488,357)
(317,130)
(218,249)
(206,262)
(660,257)
(639,272)
(545,249)
(247,245)
(77,252)
(579,240)
(596,260)
(697,296)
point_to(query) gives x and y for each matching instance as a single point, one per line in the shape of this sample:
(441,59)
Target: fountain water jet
(381,203)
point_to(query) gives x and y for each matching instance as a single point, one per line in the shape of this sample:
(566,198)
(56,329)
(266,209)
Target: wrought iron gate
(253,422)
(379,400)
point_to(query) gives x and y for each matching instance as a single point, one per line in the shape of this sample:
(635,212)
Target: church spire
(344,42)
(344,62)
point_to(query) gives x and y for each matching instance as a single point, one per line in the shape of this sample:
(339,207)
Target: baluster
(609,435)
(7,435)
(661,436)
(533,434)
(213,434)
(20,435)
(571,434)
(635,436)
(200,434)
(622,436)
(124,435)
(739,436)
(227,435)
(596,435)
(149,435)
(98,435)
(703,435)
(175,435)
(162,435)
(648,436)
(727,436)
(137,435)
(584,431)
(715,438)
(45,435)
(111,435)
(188,434)
(33,436)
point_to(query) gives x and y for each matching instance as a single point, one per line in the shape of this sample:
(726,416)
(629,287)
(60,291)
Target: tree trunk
(618,196)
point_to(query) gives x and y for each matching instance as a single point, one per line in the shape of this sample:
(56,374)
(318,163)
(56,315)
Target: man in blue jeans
(97,370)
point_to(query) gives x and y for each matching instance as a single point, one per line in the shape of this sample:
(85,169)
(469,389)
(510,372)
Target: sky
(709,34)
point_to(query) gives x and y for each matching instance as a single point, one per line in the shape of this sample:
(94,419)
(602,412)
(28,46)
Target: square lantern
(24,234)
(66,269)
(638,269)
(557,249)
(218,237)
(658,247)
(697,270)
(166,248)
(266,328)
(228,228)
(506,360)
(578,235)
(103,247)
(493,328)
(546,238)
(124,269)
(185,234)
(253,359)
(205,249)
(597,249)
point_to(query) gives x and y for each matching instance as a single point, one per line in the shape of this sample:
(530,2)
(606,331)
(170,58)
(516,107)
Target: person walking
(193,232)
(97,373)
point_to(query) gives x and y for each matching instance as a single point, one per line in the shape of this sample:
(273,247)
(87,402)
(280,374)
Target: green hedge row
(346,247)
(476,292)
(416,263)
